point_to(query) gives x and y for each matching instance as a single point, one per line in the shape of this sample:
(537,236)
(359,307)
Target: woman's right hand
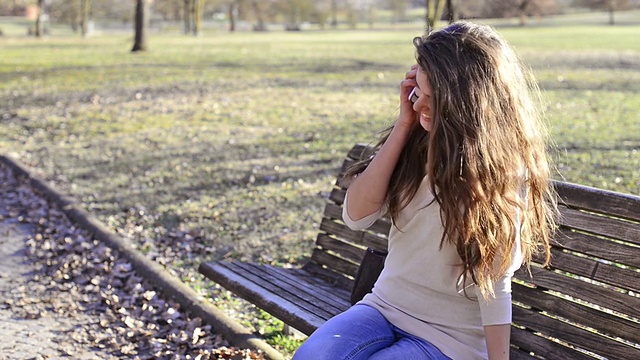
(408,117)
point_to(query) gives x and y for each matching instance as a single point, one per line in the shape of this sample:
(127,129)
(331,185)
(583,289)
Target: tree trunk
(334,13)
(451,11)
(523,6)
(434,13)
(187,16)
(612,10)
(371,16)
(140,43)
(39,18)
(260,26)
(197,16)
(232,16)
(85,5)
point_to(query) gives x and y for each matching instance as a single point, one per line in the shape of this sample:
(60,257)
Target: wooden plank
(337,196)
(528,341)
(598,247)
(516,354)
(261,278)
(358,150)
(575,336)
(321,296)
(333,211)
(375,242)
(592,293)
(607,323)
(330,276)
(599,200)
(381,226)
(600,225)
(341,293)
(335,263)
(344,249)
(282,308)
(625,278)
(341,231)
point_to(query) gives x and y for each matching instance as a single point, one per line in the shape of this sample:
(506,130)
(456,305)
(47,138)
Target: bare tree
(522,9)
(260,16)
(140,42)
(186,16)
(398,9)
(452,10)
(198,7)
(85,13)
(39,18)
(610,6)
(334,13)
(434,12)
(231,13)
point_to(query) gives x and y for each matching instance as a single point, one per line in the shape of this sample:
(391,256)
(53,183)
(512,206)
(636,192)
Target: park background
(223,138)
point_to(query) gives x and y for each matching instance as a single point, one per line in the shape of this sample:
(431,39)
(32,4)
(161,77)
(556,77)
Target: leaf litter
(80,275)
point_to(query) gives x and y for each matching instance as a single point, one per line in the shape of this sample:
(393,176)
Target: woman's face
(423,105)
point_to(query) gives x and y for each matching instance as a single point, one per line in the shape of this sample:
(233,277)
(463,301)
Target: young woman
(463,174)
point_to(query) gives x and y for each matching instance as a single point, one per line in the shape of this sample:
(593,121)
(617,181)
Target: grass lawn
(227,145)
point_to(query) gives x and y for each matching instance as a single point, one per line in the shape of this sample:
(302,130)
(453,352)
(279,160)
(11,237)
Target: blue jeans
(363,333)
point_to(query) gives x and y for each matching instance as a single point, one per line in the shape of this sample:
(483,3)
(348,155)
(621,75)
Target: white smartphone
(412,96)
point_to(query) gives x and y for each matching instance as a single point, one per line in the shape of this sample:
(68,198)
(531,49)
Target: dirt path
(29,325)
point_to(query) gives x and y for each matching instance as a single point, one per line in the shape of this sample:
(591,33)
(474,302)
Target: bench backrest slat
(339,249)
(339,265)
(601,247)
(576,312)
(598,200)
(594,277)
(552,350)
(607,273)
(607,298)
(600,225)
(574,335)
(343,249)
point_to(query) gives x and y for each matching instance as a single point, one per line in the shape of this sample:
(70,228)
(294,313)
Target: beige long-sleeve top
(418,292)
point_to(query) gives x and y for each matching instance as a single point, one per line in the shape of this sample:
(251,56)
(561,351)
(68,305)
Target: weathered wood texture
(586,305)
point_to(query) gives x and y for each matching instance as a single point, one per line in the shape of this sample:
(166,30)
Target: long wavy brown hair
(485,156)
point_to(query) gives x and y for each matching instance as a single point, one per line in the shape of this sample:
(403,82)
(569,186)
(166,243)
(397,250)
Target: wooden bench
(585,306)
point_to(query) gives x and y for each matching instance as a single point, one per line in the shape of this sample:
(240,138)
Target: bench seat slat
(286,310)
(283,289)
(608,298)
(297,285)
(528,340)
(575,336)
(577,313)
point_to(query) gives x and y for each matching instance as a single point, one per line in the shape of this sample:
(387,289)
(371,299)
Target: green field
(227,145)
